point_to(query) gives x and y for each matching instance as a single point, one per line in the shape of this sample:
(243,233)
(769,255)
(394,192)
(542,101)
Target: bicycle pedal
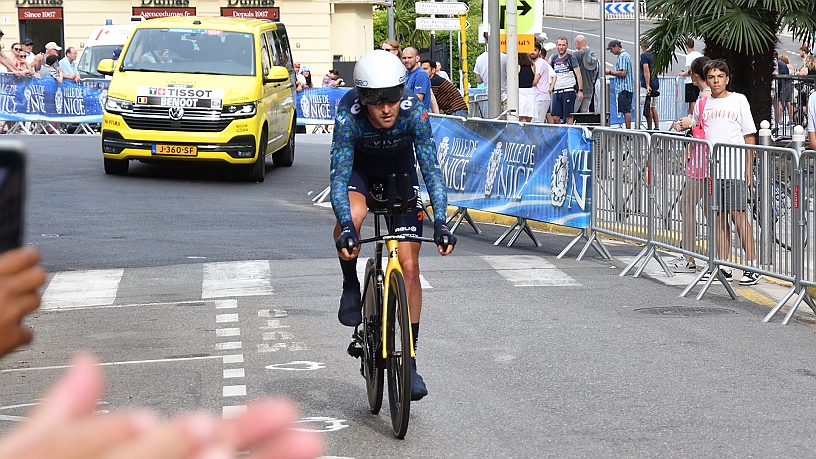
(355,349)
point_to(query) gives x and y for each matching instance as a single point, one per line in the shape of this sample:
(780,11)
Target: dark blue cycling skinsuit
(362,156)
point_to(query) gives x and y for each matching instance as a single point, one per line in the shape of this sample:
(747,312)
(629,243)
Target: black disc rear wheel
(373,364)
(398,363)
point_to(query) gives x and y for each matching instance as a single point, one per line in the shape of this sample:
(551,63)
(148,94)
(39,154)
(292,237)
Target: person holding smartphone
(64,425)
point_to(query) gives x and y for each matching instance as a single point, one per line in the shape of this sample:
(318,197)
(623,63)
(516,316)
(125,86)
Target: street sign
(437,23)
(446,8)
(620,8)
(526,43)
(528,16)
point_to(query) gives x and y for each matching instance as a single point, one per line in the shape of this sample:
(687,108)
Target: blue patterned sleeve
(342,160)
(425,149)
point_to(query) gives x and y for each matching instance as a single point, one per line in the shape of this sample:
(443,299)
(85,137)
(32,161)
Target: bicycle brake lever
(350,245)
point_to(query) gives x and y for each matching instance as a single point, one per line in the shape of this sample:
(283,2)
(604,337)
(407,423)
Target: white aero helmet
(379,77)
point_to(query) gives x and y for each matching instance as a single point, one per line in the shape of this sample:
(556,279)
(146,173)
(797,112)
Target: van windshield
(90,59)
(215,52)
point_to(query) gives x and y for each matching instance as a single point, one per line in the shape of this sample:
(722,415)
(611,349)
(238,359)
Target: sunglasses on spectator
(16,49)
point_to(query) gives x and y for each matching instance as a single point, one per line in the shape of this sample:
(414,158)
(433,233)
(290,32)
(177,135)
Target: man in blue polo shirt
(624,80)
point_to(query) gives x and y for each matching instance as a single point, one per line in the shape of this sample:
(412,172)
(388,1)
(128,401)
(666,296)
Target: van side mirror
(277,74)
(105,66)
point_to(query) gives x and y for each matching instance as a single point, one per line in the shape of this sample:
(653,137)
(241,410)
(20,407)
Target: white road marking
(235,391)
(530,271)
(229,345)
(226,318)
(236,278)
(277,336)
(237,358)
(228,332)
(229,412)
(226,304)
(274,323)
(233,373)
(74,289)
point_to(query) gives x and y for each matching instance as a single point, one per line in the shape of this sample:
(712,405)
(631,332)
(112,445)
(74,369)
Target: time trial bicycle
(383,341)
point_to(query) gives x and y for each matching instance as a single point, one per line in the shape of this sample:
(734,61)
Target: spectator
(809,67)
(695,160)
(803,53)
(624,80)
(691,91)
(51,69)
(416,79)
(480,68)
(786,60)
(392,46)
(526,80)
(441,72)
(296,66)
(68,65)
(784,89)
(588,63)
(543,86)
(307,75)
(332,79)
(20,62)
(727,119)
(55,427)
(569,86)
(53,49)
(34,60)
(651,85)
(448,98)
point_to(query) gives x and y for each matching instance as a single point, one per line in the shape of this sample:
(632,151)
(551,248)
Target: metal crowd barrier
(755,216)
(790,95)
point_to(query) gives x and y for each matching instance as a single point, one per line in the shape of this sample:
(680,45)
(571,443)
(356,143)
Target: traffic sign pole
(512,62)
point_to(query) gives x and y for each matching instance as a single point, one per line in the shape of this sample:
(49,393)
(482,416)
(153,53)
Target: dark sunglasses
(378,96)
(16,49)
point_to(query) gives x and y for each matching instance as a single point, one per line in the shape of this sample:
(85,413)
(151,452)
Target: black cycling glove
(348,237)
(440,230)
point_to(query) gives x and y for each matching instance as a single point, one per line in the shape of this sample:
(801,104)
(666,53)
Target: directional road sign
(437,23)
(620,8)
(446,8)
(528,16)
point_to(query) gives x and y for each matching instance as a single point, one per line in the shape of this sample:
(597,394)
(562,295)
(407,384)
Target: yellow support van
(201,89)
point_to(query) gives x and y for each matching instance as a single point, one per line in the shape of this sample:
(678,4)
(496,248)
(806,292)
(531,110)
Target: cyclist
(382,128)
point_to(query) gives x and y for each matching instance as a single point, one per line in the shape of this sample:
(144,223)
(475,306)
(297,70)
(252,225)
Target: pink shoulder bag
(697,167)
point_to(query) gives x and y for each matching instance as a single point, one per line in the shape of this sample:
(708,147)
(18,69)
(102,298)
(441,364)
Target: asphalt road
(224,291)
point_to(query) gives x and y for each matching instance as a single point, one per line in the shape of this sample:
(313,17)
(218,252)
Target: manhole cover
(681,311)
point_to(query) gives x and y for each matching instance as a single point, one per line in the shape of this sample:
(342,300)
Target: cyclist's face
(384,115)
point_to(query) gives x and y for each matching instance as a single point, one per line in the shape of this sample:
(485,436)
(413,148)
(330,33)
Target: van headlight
(118,105)
(245,110)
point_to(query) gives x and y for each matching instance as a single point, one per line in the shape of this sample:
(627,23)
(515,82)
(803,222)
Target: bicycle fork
(391,245)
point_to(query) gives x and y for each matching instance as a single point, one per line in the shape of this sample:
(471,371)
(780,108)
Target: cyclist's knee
(410,272)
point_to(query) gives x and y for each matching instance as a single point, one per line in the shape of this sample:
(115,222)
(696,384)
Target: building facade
(321,32)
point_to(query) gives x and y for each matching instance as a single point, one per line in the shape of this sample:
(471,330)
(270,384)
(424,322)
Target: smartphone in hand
(12,194)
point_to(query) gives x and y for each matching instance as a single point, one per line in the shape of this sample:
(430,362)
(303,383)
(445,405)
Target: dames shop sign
(39,14)
(252,13)
(150,13)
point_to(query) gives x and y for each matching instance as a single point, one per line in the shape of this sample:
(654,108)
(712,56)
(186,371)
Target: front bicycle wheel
(373,364)
(398,363)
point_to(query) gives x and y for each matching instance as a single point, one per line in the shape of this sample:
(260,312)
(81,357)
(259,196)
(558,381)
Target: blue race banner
(34,99)
(318,105)
(529,171)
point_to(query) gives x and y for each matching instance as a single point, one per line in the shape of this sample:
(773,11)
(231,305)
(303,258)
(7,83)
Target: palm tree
(742,32)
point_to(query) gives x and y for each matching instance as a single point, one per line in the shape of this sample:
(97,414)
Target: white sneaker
(749,278)
(726,272)
(681,265)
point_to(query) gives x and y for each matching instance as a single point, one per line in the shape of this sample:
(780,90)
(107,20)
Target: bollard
(764,134)
(798,138)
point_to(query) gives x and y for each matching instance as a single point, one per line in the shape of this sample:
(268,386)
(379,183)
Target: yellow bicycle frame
(393,264)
